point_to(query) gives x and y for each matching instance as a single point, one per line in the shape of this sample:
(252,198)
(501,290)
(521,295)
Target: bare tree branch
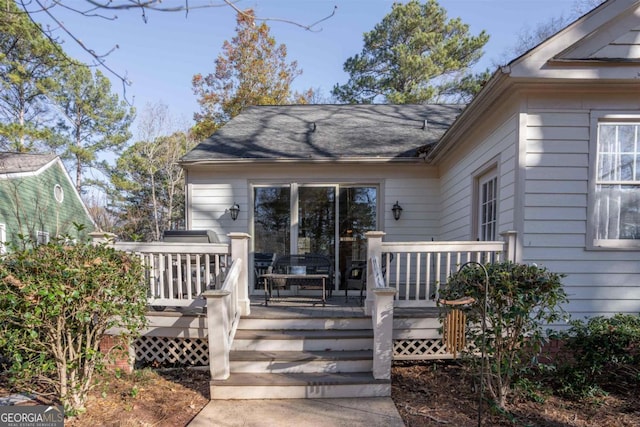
(99,60)
(286,21)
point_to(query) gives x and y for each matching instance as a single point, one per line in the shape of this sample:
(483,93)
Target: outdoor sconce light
(397,211)
(234,211)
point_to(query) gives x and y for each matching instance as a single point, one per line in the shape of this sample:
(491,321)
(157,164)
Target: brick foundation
(118,353)
(550,351)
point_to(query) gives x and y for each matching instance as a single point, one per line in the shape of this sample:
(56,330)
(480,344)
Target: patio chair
(356,277)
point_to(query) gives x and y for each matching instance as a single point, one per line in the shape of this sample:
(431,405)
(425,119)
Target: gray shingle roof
(23,162)
(324,132)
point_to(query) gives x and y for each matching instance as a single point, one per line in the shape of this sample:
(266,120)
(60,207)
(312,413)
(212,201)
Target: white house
(550,149)
(546,158)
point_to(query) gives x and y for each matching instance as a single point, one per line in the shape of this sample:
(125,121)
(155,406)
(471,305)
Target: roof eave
(341,160)
(491,91)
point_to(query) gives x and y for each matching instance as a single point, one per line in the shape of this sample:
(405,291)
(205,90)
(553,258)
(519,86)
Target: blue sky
(161,56)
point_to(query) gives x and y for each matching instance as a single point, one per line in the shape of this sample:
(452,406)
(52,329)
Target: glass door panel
(317,220)
(272,222)
(358,214)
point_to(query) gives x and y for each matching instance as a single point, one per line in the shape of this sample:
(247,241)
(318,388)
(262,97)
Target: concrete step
(302,340)
(299,386)
(300,361)
(304,323)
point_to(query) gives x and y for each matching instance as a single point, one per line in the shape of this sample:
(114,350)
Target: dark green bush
(56,303)
(601,350)
(521,300)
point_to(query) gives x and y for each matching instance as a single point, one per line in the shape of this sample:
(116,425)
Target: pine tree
(415,55)
(29,66)
(95,119)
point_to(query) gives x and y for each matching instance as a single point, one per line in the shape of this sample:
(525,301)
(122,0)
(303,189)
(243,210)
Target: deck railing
(223,315)
(178,273)
(418,269)
(382,321)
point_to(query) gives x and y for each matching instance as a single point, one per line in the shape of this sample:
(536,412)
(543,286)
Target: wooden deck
(302,307)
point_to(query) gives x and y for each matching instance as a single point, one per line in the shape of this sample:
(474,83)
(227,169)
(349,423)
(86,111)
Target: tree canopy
(94,119)
(146,183)
(29,64)
(251,70)
(414,55)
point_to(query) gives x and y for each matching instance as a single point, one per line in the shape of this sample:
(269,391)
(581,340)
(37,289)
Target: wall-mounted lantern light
(234,210)
(397,211)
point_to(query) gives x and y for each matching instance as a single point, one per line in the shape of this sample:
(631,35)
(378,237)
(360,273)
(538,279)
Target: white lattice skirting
(165,351)
(420,349)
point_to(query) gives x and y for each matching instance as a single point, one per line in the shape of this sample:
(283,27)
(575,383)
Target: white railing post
(382,332)
(218,330)
(240,250)
(511,241)
(374,250)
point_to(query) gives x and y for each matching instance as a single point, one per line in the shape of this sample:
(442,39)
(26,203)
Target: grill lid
(190,236)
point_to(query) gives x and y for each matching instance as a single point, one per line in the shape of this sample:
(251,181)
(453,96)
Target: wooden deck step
(299,386)
(294,334)
(304,323)
(299,340)
(301,361)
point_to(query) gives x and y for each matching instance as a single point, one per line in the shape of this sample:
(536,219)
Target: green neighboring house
(38,200)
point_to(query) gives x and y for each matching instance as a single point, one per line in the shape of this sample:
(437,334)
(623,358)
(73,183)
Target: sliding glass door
(321,219)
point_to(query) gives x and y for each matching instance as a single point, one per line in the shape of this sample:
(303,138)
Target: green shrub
(521,299)
(600,350)
(56,303)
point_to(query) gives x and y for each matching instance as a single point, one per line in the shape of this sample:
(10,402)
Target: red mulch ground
(425,393)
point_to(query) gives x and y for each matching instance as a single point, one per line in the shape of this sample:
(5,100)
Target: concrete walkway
(356,412)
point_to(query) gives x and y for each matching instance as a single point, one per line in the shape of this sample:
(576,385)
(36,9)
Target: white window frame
(42,237)
(603,118)
(3,239)
(487,176)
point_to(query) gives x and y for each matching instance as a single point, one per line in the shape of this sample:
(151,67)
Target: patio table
(304,281)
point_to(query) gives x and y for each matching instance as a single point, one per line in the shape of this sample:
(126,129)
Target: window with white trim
(616,201)
(42,237)
(3,239)
(487,215)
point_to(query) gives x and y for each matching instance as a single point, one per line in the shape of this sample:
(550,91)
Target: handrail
(178,273)
(223,316)
(417,269)
(378,276)
(231,285)
(382,321)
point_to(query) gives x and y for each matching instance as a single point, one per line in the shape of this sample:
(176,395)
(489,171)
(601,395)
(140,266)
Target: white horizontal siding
(541,146)
(569,254)
(556,213)
(209,204)
(554,227)
(415,186)
(557,160)
(564,173)
(420,201)
(458,181)
(547,241)
(555,216)
(555,186)
(557,200)
(609,278)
